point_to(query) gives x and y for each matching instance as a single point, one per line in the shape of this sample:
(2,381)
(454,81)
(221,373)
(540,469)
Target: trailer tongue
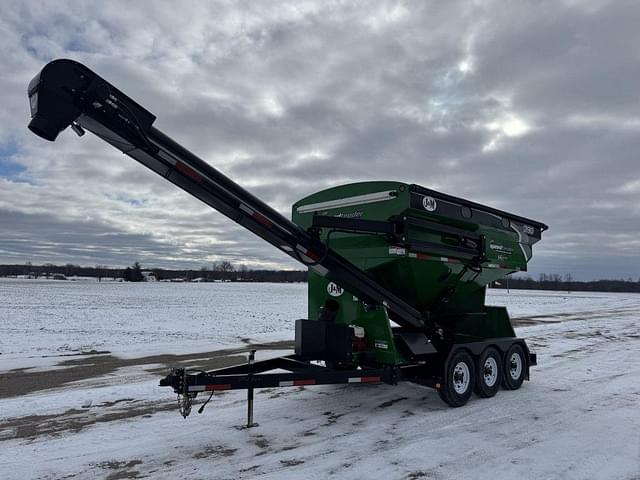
(376,251)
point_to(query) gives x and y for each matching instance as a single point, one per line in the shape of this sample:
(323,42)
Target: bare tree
(224,268)
(568,279)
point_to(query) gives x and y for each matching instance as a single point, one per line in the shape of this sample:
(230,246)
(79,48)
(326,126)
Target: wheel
(515,367)
(458,380)
(488,373)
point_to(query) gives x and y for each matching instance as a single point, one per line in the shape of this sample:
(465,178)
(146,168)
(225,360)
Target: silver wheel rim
(490,371)
(515,366)
(461,378)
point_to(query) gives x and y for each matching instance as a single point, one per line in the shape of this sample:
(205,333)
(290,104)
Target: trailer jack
(250,362)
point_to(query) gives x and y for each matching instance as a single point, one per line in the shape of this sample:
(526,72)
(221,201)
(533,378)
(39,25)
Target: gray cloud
(530,107)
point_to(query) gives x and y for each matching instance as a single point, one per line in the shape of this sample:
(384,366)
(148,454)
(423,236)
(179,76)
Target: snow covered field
(43,320)
(103,415)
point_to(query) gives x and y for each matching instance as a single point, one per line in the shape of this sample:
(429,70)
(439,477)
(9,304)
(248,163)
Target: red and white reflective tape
(256,216)
(287,383)
(246,209)
(296,383)
(364,379)
(312,256)
(210,388)
(422,256)
(319,269)
(188,171)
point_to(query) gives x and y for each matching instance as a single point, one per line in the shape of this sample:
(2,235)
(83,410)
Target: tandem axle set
(397,272)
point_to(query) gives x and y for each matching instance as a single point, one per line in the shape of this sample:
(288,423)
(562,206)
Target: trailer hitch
(177,380)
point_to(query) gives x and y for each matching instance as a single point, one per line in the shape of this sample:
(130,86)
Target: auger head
(52,97)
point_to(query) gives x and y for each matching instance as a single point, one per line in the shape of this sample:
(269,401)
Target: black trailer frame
(300,372)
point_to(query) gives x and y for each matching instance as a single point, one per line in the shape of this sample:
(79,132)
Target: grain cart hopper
(397,272)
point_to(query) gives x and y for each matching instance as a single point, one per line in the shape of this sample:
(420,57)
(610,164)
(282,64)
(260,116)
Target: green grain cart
(438,253)
(397,272)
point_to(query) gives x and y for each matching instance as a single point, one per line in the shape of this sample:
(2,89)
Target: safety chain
(185,402)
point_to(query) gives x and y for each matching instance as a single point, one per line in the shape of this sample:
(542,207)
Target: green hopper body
(422,267)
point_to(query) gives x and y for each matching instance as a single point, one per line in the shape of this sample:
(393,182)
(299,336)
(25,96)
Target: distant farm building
(148,276)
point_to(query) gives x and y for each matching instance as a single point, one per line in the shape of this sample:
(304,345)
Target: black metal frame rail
(471,245)
(299,373)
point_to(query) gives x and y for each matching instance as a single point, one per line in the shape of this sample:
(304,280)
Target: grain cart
(397,272)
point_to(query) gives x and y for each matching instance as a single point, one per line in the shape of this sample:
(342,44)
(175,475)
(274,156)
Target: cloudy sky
(532,107)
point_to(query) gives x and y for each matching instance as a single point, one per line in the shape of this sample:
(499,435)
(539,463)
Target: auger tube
(66,93)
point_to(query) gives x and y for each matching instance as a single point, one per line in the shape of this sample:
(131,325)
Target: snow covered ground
(45,320)
(579,417)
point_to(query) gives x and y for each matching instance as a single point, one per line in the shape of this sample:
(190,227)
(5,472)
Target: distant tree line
(219,271)
(226,272)
(133,274)
(566,282)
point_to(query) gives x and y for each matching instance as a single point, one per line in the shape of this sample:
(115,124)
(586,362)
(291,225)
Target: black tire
(489,370)
(515,367)
(457,386)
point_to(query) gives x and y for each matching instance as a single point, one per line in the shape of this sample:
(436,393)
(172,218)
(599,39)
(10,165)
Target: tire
(458,380)
(489,368)
(515,367)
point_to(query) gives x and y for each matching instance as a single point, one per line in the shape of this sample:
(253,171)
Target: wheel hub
(461,378)
(515,366)
(490,372)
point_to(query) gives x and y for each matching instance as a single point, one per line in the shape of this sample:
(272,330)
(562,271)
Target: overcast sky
(532,107)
